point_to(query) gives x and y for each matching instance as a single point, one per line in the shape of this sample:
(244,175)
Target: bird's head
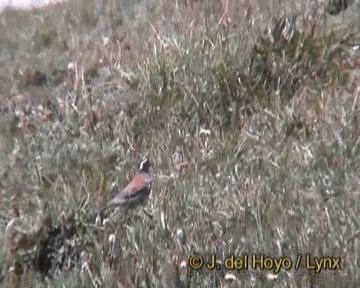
(144,164)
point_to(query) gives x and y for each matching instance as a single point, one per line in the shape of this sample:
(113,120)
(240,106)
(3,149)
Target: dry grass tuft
(252,129)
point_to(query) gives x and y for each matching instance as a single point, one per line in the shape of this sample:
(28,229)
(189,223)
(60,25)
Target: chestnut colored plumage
(139,188)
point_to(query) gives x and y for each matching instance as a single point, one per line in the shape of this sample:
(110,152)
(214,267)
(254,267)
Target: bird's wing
(136,186)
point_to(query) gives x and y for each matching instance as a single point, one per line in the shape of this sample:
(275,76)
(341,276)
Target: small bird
(138,190)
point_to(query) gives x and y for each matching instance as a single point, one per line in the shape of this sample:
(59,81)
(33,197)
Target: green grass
(267,125)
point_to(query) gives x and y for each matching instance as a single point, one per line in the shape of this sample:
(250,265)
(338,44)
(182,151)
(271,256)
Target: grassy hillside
(252,129)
